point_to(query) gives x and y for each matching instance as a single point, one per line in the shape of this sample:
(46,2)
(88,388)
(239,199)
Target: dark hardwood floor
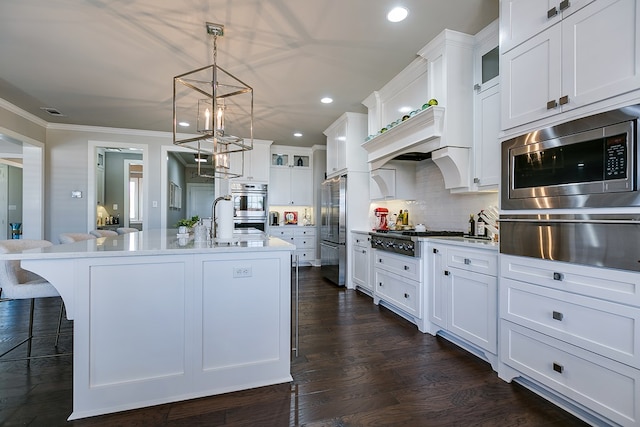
(358,365)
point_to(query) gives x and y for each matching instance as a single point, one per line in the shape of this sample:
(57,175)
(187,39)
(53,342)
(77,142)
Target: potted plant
(187,224)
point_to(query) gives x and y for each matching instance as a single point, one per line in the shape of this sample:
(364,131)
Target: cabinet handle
(446,272)
(477,87)
(406,295)
(564,4)
(406,267)
(557,315)
(564,100)
(552,104)
(467,261)
(552,12)
(380,260)
(435,251)
(364,251)
(380,284)
(558,276)
(558,367)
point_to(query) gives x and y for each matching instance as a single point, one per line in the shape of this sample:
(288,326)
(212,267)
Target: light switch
(76,194)
(115,206)
(155,204)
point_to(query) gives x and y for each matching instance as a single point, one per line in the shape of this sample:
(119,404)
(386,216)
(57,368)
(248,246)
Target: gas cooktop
(417,233)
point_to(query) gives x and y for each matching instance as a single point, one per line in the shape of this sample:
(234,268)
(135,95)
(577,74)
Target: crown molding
(22,113)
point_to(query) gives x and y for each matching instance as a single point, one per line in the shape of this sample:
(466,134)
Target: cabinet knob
(380,260)
(557,315)
(435,251)
(406,267)
(446,272)
(467,261)
(380,284)
(364,251)
(558,367)
(406,295)
(552,12)
(558,276)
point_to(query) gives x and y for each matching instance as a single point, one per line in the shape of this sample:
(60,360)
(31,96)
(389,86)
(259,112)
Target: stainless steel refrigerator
(333,230)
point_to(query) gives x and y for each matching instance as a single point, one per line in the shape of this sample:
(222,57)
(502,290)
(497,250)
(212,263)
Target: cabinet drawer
(398,291)
(405,266)
(304,242)
(361,240)
(477,261)
(281,234)
(600,326)
(305,256)
(607,387)
(305,232)
(613,285)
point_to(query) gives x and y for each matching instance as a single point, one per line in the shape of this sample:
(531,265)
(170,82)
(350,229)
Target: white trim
(91,178)
(22,113)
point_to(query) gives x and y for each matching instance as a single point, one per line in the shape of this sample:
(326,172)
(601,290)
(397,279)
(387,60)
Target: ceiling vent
(52,111)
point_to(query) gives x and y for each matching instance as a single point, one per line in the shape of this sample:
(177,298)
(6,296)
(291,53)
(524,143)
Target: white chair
(16,283)
(74,237)
(103,233)
(126,230)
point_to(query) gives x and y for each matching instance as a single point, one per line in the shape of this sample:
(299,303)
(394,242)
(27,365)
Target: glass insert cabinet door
(279,159)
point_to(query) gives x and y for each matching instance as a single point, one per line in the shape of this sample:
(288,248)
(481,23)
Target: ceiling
(112,62)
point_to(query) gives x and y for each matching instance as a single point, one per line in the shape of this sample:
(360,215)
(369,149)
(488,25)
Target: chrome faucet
(214,227)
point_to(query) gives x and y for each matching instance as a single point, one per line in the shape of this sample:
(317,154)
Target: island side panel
(133,340)
(244,320)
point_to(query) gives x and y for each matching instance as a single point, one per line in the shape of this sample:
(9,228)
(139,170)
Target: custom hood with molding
(419,138)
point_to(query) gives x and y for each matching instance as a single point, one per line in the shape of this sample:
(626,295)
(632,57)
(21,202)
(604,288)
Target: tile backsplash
(435,206)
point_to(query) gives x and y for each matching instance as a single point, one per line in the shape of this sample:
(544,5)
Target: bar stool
(74,237)
(126,230)
(17,283)
(103,233)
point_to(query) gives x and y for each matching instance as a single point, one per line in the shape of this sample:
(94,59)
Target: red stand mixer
(381,218)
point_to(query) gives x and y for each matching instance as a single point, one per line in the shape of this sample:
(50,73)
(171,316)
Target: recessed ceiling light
(397,14)
(326,100)
(183,124)
(297,134)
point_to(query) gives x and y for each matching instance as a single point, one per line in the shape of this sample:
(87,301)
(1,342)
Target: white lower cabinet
(462,297)
(303,237)
(361,258)
(572,331)
(397,281)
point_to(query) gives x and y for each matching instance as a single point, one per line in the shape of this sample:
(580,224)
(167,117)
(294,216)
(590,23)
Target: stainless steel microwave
(589,162)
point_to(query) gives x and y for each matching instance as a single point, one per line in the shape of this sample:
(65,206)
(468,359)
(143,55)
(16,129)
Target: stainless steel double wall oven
(582,176)
(249,205)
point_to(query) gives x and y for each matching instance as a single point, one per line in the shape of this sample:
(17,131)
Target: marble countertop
(154,242)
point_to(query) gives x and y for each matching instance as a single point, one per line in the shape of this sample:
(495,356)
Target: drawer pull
(380,284)
(467,261)
(406,295)
(364,251)
(380,260)
(406,267)
(435,251)
(552,104)
(563,100)
(558,367)
(446,272)
(557,315)
(558,276)
(552,12)
(564,4)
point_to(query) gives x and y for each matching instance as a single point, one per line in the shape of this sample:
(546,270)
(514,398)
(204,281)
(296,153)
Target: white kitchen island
(158,319)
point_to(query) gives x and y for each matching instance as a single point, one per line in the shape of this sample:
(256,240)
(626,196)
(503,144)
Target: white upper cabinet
(291,176)
(344,139)
(256,163)
(486,110)
(588,56)
(522,19)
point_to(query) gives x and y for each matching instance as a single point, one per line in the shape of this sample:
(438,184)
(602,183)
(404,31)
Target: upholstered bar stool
(103,233)
(74,237)
(16,283)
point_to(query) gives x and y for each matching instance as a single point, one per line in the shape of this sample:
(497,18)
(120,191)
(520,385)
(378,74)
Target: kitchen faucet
(214,227)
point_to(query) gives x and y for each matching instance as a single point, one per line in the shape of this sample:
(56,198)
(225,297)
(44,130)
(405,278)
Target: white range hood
(422,134)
